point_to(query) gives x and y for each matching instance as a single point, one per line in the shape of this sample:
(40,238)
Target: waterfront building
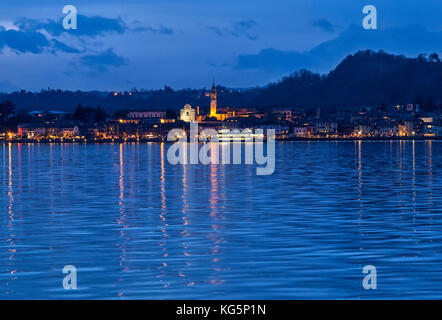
(363,130)
(147,114)
(387,129)
(432,129)
(31,131)
(66,131)
(125,128)
(426,119)
(301,130)
(109,130)
(91,131)
(410,128)
(326,127)
(44,130)
(126,121)
(429,129)
(437,128)
(407,129)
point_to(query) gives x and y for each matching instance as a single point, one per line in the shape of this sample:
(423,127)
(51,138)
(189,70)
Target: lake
(137,227)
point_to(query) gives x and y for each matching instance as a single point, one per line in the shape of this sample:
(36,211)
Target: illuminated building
(220,116)
(135,121)
(387,129)
(300,131)
(56,130)
(187,113)
(213,101)
(225,135)
(147,114)
(326,127)
(363,130)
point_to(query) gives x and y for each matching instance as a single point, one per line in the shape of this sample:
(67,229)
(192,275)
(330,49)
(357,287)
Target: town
(96,125)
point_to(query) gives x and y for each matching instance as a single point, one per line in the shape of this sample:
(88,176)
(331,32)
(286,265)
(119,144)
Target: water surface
(137,227)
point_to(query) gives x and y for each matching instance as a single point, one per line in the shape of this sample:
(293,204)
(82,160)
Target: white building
(146,114)
(363,129)
(326,127)
(387,129)
(300,131)
(187,113)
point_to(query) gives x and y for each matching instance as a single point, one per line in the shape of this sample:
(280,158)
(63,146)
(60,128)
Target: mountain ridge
(366,78)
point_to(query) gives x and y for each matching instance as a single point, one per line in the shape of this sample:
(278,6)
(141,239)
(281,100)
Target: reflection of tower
(213,101)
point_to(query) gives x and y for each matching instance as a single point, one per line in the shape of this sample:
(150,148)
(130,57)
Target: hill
(366,78)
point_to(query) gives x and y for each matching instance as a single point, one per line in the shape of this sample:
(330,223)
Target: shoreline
(85,141)
(364,139)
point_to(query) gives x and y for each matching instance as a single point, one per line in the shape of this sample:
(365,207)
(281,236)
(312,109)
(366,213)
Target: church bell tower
(213,101)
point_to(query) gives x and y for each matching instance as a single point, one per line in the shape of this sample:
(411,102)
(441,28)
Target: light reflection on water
(137,227)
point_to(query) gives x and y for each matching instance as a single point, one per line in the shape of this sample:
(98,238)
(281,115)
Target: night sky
(188,43)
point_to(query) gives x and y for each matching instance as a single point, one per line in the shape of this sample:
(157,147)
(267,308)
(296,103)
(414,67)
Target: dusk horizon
(148,45)
(209,81)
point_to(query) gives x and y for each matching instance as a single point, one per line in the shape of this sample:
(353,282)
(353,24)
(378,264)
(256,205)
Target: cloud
(91,27)
(243,26)
(86,26)
(31,42)
(156,30)
(239,29)
(102,61)
(322,58)
(216,30)
(40,36)
(325,25)
(58,45)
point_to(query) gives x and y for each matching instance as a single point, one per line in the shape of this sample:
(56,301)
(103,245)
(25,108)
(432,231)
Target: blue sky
(240,43)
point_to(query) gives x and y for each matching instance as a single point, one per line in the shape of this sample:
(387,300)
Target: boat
(246,135)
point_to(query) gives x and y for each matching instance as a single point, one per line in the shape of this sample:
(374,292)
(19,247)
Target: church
(220,116)
(188,114)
